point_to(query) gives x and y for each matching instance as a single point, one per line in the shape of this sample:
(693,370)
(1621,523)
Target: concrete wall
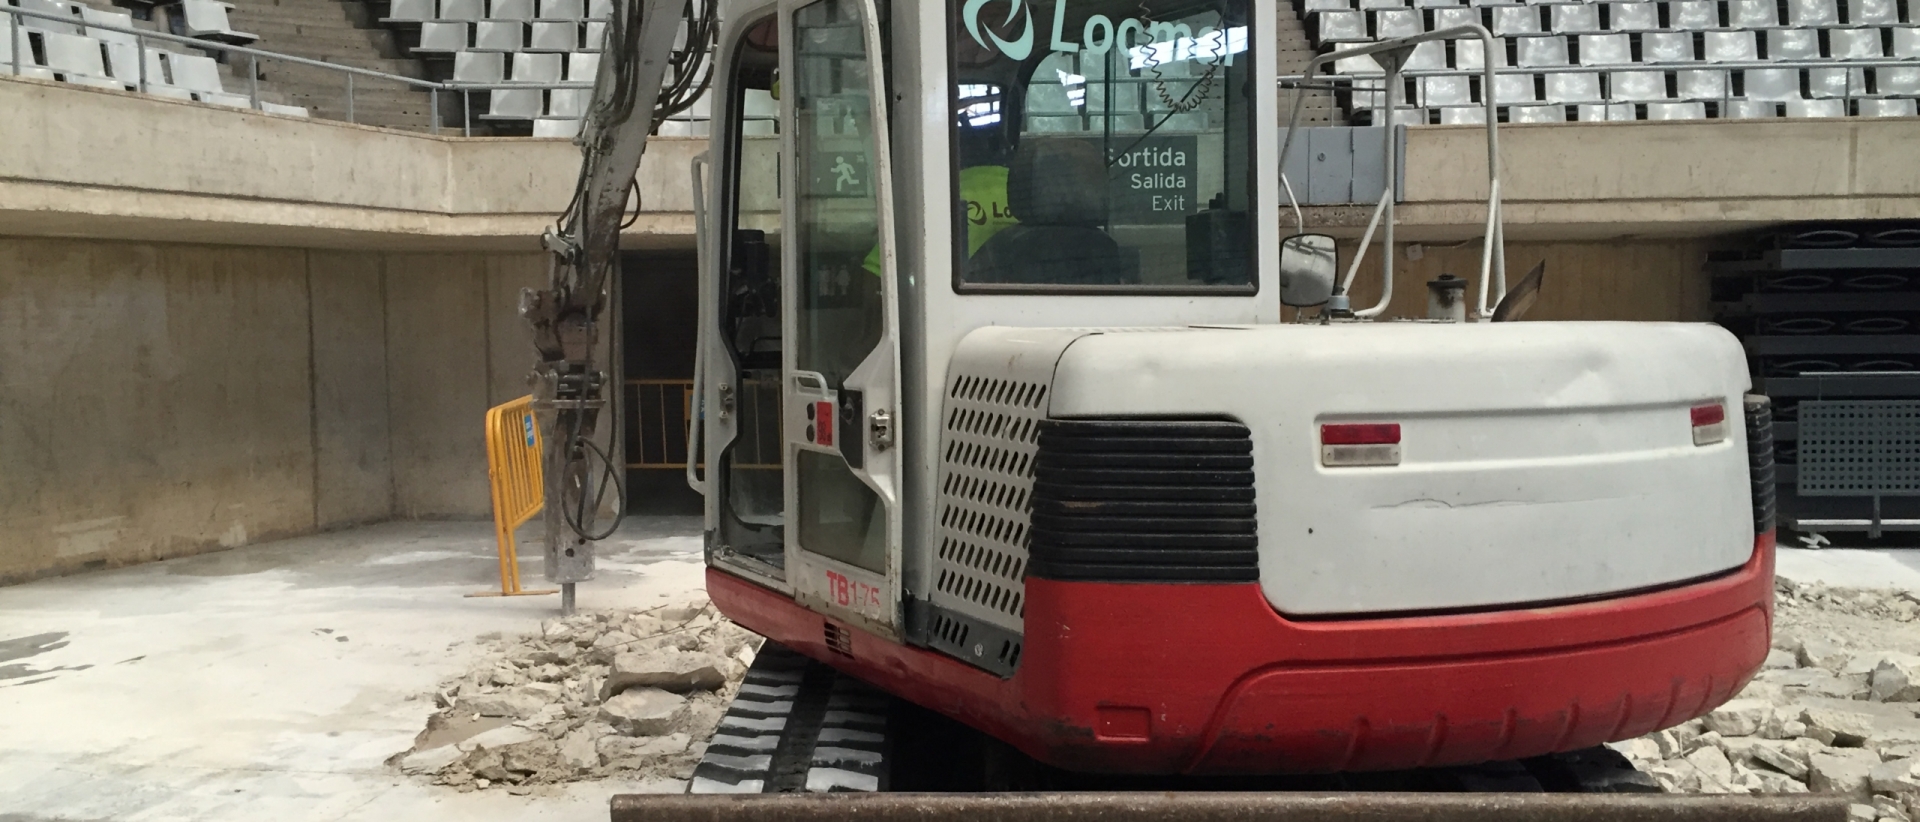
(1664,280)
(164,399)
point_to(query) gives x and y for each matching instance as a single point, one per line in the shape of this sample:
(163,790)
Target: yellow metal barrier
(513,469)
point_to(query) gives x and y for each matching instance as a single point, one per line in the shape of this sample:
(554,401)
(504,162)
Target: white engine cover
(1539,461)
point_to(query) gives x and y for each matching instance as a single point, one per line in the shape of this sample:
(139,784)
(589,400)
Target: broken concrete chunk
(516,704)
(1638,749)
(1891,808)
(674,670)
(579,750)
(1712,764)
(431,760)
(644,712)
(1896,778)
(1778,760)
(497,738)
(1818,682)
(1779,660)
(1676,776)
(1822,653)
(627,747)
(1844,771)
(1896,678)
(530,758)
(1862,813)
(1771,782)
(1739,717)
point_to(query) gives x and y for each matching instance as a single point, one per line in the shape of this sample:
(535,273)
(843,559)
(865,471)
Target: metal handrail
(434,88)
(1294,80)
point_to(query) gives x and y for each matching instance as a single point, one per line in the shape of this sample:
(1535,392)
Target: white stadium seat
(1854,44)
(499,35)
(1836,83)
(442,35)
(207,20)
(1772,85)
(1872,12)
(409,11)
(1888,107)
(519,104)
(552,36)
(1604,112)
(1793,44)
(555,127)
(479,67)
(1574,19)
(1701,84)
(1536,114)
(569,102)
(1637,86)
(510,9)
(463,10)
(1633,17)
(1731,47)
(1573,87)
(1542,51)
(1753,14)
(1816,108)
(562,10)
(1692,15)
(1510,20)
(1463,115)
(1605,49)
(1812,13)
(1391,23)
(1749,110)
(583,67)
(536,68)
(1676,111)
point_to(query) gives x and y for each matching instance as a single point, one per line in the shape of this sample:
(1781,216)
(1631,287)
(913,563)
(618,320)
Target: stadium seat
(76,58)
(1542,51)
(536,68)
(1888,107)
(1605,112)
(1836,83)
(1749,110)
(1536,114)
(1467,55)
(1637,86)
(561,10)
(1444,91)
(1328,5)
(1605,49)
(1872,12)
(1731,47)
(1897,79)
(1753,14)
(1816,108)
(1633,17)
(1676,111)
(1667,47)
(1772,85)
(58,7)
(599,9)
(1446,18)
(1383,4)
(568,102)
(1906,42)
(1463,115)
(442,35)
(1514,88)
(499,35)
(194,73)
(276,108)
(552,36)
(1854,44)
(510,10)
(516,104)
(1428,56)
(409,11)
(1342,26)
(207,20)
(479,67)
(1571,87)
(463,10)
(1692,15)
(582,67)
(555,127)
(221,98)
(1511,20)
(1391,23)
(1793,44)
(1812,13)
(1701,84)
(596,35)
(1573,19)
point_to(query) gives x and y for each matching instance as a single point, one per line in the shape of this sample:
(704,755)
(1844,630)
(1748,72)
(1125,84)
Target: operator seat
(1057,189)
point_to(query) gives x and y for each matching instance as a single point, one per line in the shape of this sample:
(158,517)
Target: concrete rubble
(1835,709)
(616,693)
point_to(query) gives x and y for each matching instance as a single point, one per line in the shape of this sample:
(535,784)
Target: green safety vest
(984,188)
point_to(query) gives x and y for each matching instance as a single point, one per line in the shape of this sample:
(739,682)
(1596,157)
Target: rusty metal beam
(1228,807)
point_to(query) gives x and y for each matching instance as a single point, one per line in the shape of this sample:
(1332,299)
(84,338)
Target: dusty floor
(271,682)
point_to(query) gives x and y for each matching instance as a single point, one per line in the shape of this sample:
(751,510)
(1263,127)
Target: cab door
(840,310)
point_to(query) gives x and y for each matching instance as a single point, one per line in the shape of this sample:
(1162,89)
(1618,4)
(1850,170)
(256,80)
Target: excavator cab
(998,415)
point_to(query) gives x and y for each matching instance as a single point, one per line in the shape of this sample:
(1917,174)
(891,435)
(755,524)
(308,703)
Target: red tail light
(1348,445)
(1709,423)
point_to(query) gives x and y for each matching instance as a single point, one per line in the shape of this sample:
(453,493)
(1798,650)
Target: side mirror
(1308,265)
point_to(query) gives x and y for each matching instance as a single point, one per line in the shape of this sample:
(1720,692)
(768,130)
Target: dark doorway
(660,297)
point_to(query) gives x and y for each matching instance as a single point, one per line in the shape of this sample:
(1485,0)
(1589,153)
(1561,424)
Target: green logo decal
(1017,49)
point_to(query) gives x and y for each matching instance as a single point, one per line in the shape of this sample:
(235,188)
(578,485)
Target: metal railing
(434,89)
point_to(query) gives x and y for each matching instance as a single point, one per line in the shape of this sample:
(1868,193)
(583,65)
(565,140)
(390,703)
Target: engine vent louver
(1143,501)
(1759,413)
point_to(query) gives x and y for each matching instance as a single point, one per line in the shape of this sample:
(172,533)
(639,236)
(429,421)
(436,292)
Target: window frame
(957,207)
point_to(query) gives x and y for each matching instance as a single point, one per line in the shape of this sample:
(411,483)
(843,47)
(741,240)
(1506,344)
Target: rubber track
(796,725)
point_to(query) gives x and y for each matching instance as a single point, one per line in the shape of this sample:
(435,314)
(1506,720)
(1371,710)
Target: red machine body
(1210,679)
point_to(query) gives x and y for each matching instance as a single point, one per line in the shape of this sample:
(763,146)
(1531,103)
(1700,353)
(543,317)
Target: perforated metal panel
(996,396)
(1859,448)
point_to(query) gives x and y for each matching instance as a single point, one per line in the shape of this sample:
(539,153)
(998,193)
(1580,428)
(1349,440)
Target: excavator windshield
(1102,145)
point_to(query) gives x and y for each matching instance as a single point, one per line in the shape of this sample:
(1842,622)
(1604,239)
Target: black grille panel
(1759,414)
(1144,501)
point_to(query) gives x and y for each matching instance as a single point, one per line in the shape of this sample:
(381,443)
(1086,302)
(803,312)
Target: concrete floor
(271,682)
(1852,567)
